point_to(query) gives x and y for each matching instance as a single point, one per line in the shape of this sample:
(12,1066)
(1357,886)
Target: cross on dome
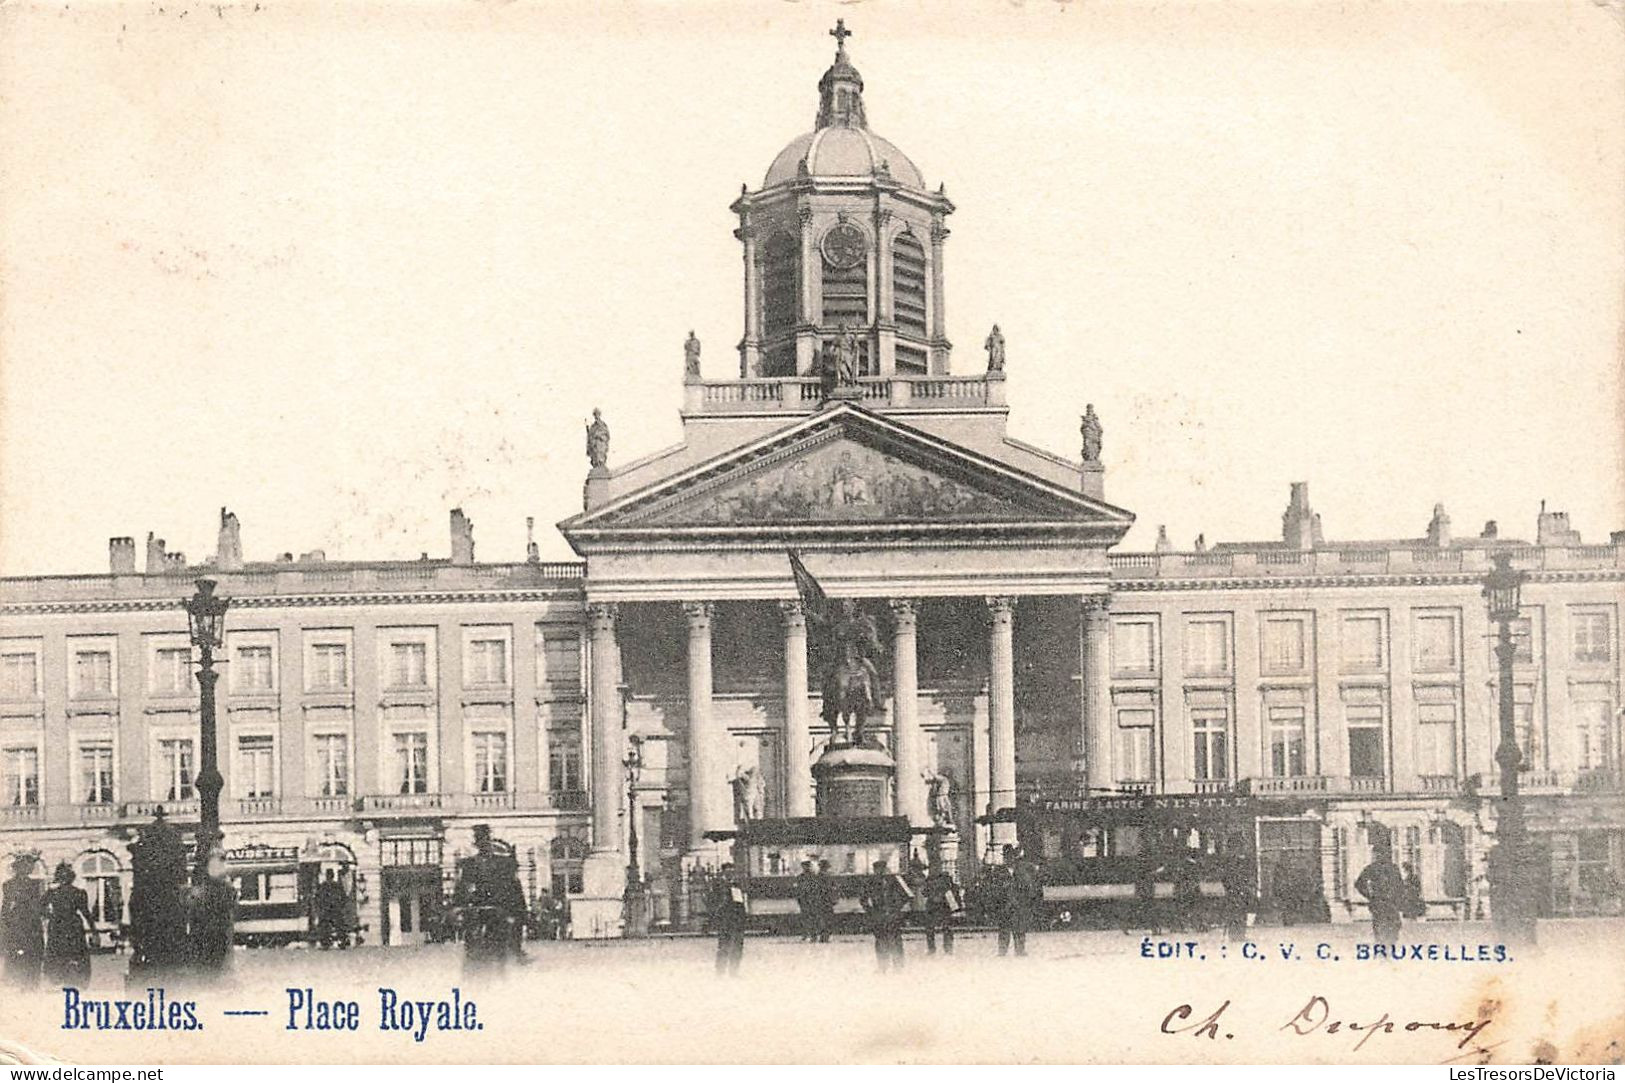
(840,34)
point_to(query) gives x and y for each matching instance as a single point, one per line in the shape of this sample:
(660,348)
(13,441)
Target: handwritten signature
(1316,1017)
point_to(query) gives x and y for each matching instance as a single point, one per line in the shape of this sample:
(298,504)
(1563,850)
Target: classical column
(606,728)
(935,301)
(1001,707)
(1097,691)
(708,811)
(907,740)
(798,783)
(750,347)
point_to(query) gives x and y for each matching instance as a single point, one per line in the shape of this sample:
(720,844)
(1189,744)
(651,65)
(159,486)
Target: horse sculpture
(850,694)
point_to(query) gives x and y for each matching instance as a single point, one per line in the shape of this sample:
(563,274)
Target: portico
(986,582)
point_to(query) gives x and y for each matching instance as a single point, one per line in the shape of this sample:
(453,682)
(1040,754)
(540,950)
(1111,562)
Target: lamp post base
(1514,879)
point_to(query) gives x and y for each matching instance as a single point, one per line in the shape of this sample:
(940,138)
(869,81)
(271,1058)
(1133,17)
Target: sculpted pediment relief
(843,480)
(847,468)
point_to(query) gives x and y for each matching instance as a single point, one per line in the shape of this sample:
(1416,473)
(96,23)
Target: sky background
(342,268)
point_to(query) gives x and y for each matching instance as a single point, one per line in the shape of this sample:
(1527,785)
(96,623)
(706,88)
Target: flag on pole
(807,585)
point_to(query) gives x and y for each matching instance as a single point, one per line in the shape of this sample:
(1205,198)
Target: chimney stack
(228,554)
(121,556)
(1163,544)
(1491,531)
(462,537)
(156,560)
(533,553)
(1552,528)
(1439,528)
(1300,526)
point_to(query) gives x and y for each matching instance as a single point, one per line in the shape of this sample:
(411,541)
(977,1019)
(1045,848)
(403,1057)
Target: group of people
(44,931)
(1009,894)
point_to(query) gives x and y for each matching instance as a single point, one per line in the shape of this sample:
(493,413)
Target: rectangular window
(490,763)
(1134,647)
(1365,740)
(488,661)
(1288,734)
(332,765)
(175,776)
(561,661)
(96,772)
(252,670)
(1211,726)
(329,667)
(412,761)
(1436,739)
(1435,642)
(1526,724)
(1593,636)
(19,675)
(409,665)
(172,670)
(1363,643)
(1591,722)
(1284,645)
(564,763)
(256,766)
(1523,640)
(21,776)
(1134,729)
(93,673)
(1207,644)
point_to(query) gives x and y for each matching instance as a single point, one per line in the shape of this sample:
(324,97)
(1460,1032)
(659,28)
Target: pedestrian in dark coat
(943,905)
(886,899)
(330,912)
(807,902)
(67,917)
(1023,898)
(825,897)
(21,912)
(1383,885)
(729,914)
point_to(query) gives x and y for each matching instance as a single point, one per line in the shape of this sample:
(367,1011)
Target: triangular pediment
(847,467)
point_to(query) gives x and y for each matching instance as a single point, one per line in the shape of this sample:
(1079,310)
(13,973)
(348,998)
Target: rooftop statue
(597,441)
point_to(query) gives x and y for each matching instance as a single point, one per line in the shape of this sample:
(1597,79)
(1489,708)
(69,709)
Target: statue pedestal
(600,910)
(854,781)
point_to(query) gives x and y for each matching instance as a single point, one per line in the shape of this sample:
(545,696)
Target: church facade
(667,685)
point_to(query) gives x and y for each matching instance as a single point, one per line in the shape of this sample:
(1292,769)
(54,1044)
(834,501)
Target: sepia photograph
(768,532)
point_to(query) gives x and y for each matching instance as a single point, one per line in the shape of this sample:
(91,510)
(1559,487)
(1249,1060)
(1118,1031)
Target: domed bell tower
(842,238)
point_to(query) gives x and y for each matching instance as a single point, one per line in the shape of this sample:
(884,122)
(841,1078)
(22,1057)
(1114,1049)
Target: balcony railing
(1270,561)
(565,800)
(1365,784)
(800,394)
(1212,786)
(147,809)
(1599,780)
(1290,784)
(403,802)
(259,806)
(1439,783)
(19,813)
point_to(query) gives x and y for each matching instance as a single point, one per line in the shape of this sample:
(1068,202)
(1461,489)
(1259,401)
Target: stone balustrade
(1266,562)
(803,394)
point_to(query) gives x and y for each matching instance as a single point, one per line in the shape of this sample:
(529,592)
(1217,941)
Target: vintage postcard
(751,532)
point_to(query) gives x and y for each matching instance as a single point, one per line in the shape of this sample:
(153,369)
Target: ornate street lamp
(206,621)
(632,899)
(1512,867)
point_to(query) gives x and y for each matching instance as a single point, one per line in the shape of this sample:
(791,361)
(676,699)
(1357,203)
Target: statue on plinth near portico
(941,800)
(597,441)
(851,686)
(691,359)
(750,794)
(995,350)
(1091,434)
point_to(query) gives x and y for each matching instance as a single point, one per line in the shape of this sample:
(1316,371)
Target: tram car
(768,855)
(276,891)
(1168,862)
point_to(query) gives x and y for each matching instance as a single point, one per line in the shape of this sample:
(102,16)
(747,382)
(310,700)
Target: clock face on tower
(844,246)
